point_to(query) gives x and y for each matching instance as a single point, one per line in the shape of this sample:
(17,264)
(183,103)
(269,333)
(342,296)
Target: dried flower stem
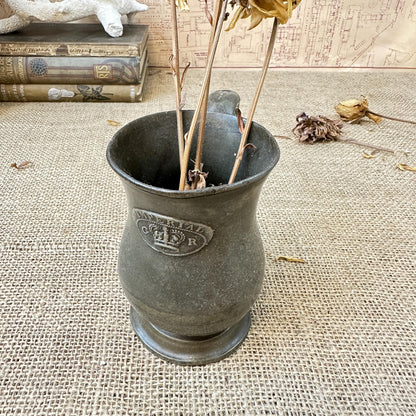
(250,116)
(177,78)
(370,146)
(205,84)
(201,134)
(203,116)
(390,118)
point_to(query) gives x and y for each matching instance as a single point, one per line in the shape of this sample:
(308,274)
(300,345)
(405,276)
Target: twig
(177,78)
(184,74)
(282,137)
(371,146)
(390,118)
(203,116)
(211,56)
(249,121)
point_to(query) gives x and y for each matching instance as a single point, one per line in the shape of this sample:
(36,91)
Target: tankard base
(190,350)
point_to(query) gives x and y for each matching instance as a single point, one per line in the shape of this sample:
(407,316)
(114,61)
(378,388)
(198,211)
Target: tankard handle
(223,101)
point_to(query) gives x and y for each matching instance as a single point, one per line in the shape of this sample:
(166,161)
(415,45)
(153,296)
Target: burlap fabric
(332,336)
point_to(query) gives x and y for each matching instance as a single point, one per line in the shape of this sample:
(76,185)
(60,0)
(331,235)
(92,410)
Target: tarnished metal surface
(191,262)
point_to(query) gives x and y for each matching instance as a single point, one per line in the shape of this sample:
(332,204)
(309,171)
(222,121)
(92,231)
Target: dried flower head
(182,4)
(258,10)
(312,129)
(198,177)
(355,110)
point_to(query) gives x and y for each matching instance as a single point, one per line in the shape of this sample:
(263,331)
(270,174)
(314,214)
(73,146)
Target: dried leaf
(239,120)
(291,259)
(184,74)
(404,167)
(172,63)
(208,13)
(23,165)
(236,17)
(368,155)
(202,183)
(113,123)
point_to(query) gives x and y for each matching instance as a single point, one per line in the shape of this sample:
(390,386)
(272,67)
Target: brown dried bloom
(312,129)
(198,177)
(355,110)
(258,10)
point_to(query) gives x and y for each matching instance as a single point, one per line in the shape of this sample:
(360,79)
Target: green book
(73,39)
(71,70)
(60,92)
(71,92)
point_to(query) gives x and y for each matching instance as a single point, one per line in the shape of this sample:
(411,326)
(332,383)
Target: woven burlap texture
(332,336)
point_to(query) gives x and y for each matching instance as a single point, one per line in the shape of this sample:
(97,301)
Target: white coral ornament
(108,12)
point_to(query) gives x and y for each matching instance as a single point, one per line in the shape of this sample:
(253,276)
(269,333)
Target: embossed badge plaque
(171,236)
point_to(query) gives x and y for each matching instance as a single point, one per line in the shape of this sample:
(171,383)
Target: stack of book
(59,62)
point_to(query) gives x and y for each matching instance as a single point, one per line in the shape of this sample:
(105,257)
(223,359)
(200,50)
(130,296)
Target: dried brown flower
(198,177)
(355,110)
(312,129)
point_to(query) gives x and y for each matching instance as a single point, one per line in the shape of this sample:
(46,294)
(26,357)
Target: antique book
(71,70)
(73,92)
(73,39)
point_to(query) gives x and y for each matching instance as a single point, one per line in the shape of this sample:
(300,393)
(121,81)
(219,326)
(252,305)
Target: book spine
(71,92)
(76,49)
(70,70)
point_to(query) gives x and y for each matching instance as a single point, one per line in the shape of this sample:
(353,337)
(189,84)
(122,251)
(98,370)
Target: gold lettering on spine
(15,92)
(3,92)
(12,69)
(21,68)
(22,93)
(8,69)
(2,68)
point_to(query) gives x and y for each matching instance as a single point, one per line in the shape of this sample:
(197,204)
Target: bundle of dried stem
(280,11)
